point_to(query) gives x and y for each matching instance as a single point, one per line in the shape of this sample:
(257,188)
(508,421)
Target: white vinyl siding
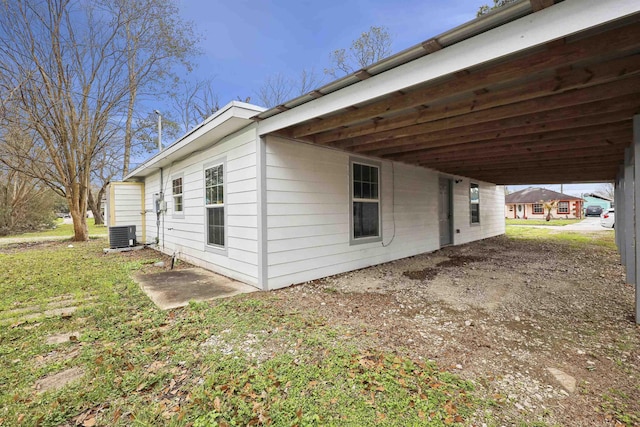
(309,210)
(124,206)
(491,212)
(187,237)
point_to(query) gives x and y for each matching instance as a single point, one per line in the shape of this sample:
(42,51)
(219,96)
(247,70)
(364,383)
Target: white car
(608,218)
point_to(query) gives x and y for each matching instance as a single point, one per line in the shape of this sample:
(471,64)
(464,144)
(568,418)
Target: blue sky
(245,41)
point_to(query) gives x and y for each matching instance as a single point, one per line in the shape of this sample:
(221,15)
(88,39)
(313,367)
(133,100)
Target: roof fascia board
(561,20)
(234,109)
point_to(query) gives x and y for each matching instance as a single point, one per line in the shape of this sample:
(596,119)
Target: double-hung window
(474,203)
(177,195)
(563,207)
(214,205)
(538,208)
(365,202)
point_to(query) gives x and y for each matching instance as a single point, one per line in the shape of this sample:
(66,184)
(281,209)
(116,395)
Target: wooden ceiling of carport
(559,113)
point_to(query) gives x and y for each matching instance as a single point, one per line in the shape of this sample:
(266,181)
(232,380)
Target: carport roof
(537,93)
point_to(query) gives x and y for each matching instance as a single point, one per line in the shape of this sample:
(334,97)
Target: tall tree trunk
(80,229)
(77,200)
(95,207)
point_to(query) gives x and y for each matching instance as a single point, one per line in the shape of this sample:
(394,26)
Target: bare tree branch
(371,47)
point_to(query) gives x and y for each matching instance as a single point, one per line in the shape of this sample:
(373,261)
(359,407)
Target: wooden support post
(617,197)
(636,202)
(629,217)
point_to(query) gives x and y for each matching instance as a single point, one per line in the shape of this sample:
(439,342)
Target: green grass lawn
(514,221)
(62,229)
(241,361)
(596,238)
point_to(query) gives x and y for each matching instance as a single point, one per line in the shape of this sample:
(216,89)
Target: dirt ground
(502,313)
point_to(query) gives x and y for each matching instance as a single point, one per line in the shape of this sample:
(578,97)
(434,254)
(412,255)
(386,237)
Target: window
(538,208)
(563,207)
(474,202)
(177,195)
(214,204)
(365,201)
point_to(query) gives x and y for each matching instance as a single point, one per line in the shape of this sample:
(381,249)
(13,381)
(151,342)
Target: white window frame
(533,208)
(472,202)
(369,239)
(568,211)
(175,212)
(211,247)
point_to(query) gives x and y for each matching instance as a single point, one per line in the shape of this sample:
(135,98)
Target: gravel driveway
(544,329)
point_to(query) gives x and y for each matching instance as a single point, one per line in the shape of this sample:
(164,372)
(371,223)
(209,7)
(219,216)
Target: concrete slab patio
(175,288)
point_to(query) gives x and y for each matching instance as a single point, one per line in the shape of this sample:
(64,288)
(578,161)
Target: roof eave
(241,113)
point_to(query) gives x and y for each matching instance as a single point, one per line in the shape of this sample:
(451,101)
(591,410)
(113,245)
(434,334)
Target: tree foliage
(25,203)
(484,9)
(608,190)
(192,102)
(278,88)
(71,70)
(371,47)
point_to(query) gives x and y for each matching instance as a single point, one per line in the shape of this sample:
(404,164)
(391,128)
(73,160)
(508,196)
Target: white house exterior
(305,216)
(403,157)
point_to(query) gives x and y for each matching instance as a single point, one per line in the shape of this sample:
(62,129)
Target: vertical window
(177,195)
(474,203)
(538,208)
(563,207)
(214,204)
(365,200)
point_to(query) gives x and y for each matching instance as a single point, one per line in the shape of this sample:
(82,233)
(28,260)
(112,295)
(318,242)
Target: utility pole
(159,130)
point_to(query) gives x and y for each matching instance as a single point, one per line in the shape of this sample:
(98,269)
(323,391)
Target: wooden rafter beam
(588,157)
(539,176)
(537,89)
(565,120)
(583,135)
(616,151)
(520,170)
(538,150)
(549,178)
(622,39)
(568,127)
(556,107)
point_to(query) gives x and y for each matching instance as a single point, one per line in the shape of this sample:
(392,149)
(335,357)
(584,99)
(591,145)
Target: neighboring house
(593,199)
(403,157)
(529,204)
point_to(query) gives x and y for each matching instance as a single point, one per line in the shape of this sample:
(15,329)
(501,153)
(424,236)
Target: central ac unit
(122,236)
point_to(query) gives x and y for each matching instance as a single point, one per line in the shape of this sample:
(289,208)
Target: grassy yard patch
(576,239)
(241,361)
(62,229)
(560,222)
